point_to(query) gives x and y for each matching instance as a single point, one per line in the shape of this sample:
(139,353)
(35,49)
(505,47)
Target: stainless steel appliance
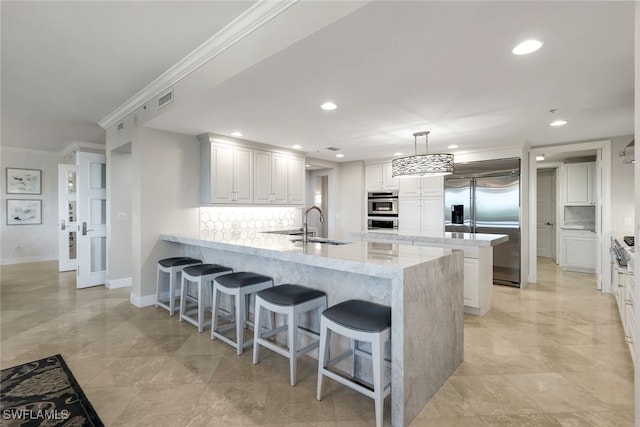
(382,223)
(384,203)
(484,197)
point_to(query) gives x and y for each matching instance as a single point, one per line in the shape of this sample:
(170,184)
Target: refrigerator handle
(472,204)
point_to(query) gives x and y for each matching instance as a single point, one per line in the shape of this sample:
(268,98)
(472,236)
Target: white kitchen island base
(422,285)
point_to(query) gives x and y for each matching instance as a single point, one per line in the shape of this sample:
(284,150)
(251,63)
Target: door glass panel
(71,182)
(98,212)
(98,254)
(71,211)
(72,245)
(98,172)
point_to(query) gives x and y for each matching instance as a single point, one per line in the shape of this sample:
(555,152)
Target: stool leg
(214,311)
(377,353)
(183,301)
(158,286)
(293,345)
(240,316)
(257,330)
(323,355)
(200,304)
(172,293)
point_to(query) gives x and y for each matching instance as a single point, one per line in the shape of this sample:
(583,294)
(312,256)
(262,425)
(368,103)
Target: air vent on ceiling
(120,126)
(165,99)
(334,148)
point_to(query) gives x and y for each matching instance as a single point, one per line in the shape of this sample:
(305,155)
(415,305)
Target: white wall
(30,243)
(120,267)
(622,187)
(165,199)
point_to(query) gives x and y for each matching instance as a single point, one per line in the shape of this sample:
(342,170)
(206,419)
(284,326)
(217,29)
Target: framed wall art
(24,212)
(24,181)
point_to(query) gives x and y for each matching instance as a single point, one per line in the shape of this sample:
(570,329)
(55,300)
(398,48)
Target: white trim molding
(142,301)
(25,260)
(249,21)
(118,283)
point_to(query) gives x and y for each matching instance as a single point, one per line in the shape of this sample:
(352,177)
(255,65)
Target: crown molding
(79,146)
(37,151)
(249,21)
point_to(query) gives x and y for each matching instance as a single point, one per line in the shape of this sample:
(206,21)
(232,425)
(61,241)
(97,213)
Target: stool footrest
(349,381)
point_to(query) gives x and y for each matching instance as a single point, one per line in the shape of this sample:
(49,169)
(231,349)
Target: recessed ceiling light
(297,146)
(397,154)
(308,166)
(540,158)
(452,146)
(558,123)
(328,106)
(340,155)
(526,47)
(236,133)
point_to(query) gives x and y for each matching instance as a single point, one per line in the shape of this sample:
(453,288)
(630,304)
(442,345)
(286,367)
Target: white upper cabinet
(378,177)
(419,187)
(227,175)
(580,183)
(241,174)
(279,178)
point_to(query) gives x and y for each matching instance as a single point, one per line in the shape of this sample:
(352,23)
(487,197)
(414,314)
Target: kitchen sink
(323,241)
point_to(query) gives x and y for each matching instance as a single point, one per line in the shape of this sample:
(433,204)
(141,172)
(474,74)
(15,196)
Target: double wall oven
(382,210)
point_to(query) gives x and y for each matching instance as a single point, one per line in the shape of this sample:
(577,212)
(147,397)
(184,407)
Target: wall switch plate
(122,216)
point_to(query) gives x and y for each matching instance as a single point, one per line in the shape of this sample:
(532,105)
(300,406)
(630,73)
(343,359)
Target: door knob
(84,229)
(549,223)
(62,225)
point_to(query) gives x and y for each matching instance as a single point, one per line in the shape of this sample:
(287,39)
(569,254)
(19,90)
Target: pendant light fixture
(422,164)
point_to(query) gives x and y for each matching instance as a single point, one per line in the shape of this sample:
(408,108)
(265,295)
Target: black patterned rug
(44,393)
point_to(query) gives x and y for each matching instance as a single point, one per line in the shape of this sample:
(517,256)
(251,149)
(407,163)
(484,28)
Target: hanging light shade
(422,164)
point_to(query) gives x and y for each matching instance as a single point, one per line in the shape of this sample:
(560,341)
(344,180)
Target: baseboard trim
(118,283)
(25,260)
(142,301)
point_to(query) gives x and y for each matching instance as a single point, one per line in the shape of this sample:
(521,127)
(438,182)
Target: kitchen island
(423,286)
(478,259)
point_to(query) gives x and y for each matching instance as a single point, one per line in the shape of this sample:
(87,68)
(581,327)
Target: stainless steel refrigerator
(484,197)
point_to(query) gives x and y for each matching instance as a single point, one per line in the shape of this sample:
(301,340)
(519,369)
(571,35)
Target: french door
(92,219)
(67,219)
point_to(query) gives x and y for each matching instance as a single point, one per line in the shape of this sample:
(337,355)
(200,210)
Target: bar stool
(173,267)
(291,300)
(359,321)
(239,285)
(200,275)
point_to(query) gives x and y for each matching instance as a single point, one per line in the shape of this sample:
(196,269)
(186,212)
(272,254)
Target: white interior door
(92,218)
(67,219)
(546,211)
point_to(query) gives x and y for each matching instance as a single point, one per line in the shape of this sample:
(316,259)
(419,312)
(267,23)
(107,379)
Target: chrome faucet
(305,232)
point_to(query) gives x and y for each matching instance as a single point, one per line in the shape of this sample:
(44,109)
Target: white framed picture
(24,212)
(24,181)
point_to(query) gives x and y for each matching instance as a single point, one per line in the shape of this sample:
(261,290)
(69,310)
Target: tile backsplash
(234,223)
(580,215)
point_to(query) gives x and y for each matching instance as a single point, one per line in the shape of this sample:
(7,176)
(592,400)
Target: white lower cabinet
(471,288)
(420,214)
(578,250)
(623,289)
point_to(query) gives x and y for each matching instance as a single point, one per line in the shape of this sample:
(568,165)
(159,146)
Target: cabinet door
(580,183)
(279,190)
(432,215)
(471,282)
(409,212)
(296,172)
(388,181)
(432,185)
(243,175)
(221,173)
(409,187)
(261,176)
(579,252)
(373,177)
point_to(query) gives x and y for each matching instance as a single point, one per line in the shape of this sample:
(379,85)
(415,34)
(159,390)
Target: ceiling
(393,68)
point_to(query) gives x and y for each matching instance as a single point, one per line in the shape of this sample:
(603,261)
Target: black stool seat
(241,279)
(205,269)
(177,261)
(290,294)
(360,315)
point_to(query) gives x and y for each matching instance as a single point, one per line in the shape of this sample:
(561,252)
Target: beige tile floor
(550,355)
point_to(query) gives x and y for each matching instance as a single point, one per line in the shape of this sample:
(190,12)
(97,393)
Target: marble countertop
(451,239)
(370,258)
